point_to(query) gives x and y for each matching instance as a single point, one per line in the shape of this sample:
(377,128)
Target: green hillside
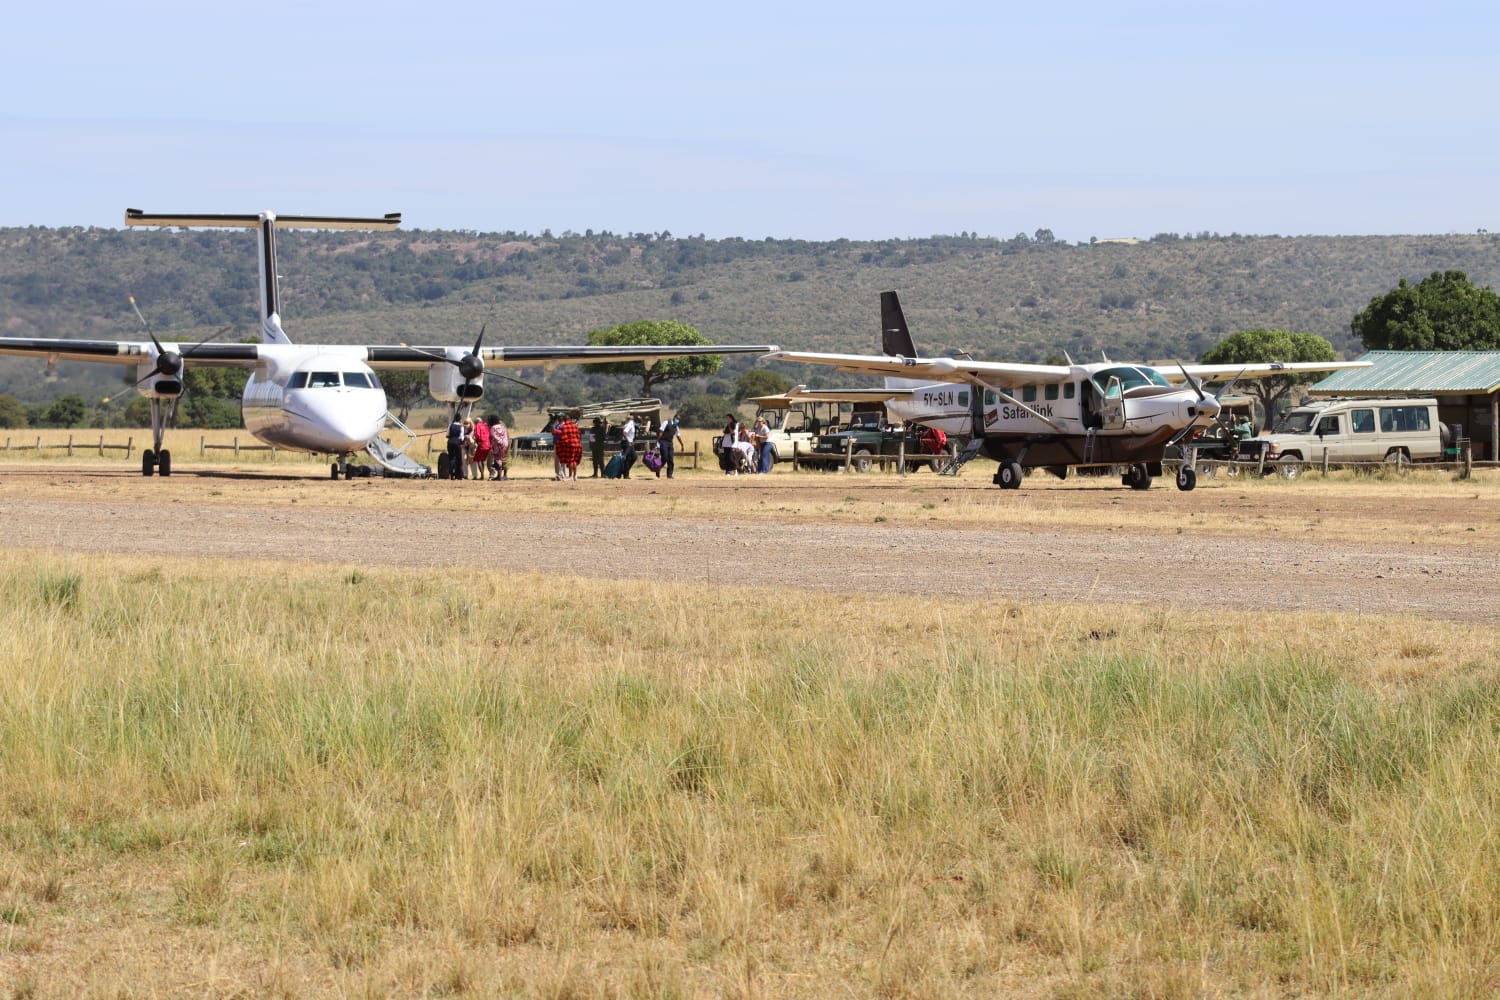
(1022,299)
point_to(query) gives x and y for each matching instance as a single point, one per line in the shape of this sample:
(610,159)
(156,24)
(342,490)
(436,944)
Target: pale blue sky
(803,120)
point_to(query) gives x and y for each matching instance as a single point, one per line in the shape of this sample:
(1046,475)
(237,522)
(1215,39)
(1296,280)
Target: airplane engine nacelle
(446,385)
(154,385)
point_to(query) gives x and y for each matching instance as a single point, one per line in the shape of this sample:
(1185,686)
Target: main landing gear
(347,471)
(156,458)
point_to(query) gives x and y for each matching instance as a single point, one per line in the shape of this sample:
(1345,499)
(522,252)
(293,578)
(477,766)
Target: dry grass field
(805,735)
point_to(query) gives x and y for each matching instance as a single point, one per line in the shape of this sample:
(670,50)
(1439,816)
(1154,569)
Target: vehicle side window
(1049,391)
(1328,425)
(1404,418)
(1363,421)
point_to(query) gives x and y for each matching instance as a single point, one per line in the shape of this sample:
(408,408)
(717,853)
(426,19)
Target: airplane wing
(936,369)
(127,352)
(802,392)
(404,356)
(130,352)
(1223,373)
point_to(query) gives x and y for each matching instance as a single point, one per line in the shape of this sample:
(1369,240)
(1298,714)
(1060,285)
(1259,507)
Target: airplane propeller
(168,363)
(471,365)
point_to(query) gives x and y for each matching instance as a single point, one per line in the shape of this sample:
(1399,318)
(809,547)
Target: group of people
(746,450)
(477,447)
(472,445)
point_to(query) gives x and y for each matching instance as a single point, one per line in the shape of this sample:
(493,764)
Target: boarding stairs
(959,458)
(395,461)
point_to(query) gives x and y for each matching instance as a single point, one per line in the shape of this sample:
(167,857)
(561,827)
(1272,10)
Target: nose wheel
(1187,478)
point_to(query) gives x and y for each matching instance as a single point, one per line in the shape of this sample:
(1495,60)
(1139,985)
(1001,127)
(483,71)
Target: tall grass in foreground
(270,780)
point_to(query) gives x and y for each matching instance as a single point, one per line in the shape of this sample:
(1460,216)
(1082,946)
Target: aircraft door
(1112,408)
(976,411)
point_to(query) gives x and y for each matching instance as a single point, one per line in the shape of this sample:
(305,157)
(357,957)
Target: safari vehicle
(1230,438)
(1395,430)
(796,423)
(646,411)
(867,434)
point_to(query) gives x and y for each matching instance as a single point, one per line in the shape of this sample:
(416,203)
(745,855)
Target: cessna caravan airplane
(319,398)
(1053,417)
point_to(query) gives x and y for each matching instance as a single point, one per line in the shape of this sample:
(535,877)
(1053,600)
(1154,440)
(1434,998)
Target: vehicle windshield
(1297,422)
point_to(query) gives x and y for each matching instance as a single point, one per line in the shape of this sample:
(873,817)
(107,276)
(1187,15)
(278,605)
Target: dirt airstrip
(1423,545)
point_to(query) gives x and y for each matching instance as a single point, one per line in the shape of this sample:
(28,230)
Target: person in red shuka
(567,445)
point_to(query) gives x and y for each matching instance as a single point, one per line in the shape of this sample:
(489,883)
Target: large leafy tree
(1258,346)
(1442,312)
(760,382)
(656,333)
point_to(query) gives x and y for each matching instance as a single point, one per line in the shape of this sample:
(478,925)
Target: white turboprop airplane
(1053,417)
(319,398)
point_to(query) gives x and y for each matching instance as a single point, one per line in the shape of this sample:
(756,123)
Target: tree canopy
(1259,346)
(1442,312)
(656,333)
(760,382)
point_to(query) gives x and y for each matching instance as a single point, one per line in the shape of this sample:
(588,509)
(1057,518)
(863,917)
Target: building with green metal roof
(1466,385)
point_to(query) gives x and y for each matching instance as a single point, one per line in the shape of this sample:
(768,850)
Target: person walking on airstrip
(567,445)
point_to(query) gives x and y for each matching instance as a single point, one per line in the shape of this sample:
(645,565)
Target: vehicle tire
(1290,466)
(1398,460)
(862,460)
(148,462)
(1186,478)
(1009,475)
(164,463)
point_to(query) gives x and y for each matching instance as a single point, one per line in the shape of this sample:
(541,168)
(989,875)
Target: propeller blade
(1196,387)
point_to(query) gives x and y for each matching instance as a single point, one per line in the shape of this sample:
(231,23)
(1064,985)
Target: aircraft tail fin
(265,223)
(895,338)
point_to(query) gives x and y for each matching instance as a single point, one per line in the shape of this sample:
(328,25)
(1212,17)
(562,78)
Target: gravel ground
(1427,555)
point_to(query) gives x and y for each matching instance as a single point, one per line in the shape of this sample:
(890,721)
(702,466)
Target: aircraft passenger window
(1069,390)
(989,398)
(323,380)
(963,399)
(1049,391)
(1363,421)
(356,380)
(1028,394)
(297,381)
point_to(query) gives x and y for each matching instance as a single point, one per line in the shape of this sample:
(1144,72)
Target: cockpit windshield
(1130,378)
(332,380)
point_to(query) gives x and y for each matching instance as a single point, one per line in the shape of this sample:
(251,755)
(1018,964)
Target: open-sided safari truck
(645,410)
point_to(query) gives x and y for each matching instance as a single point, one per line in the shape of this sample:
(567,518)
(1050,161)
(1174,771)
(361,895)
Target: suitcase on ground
(615,467)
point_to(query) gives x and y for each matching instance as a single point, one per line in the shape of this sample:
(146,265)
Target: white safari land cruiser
(1356,430)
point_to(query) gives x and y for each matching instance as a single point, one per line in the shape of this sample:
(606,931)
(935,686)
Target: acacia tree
(1442,312)
(1258,346)
(656,333)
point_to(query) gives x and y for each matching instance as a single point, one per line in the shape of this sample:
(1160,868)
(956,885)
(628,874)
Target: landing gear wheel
(1186,478)
(333,471)
(164,463)
(1008,476)
(148,462)
(1137,477)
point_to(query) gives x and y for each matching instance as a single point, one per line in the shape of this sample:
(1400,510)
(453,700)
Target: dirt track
(1371,547)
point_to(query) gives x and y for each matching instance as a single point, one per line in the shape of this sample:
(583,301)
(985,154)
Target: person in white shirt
(627,446)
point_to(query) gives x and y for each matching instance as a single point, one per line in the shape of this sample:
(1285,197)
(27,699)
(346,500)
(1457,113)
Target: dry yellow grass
(276,780)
